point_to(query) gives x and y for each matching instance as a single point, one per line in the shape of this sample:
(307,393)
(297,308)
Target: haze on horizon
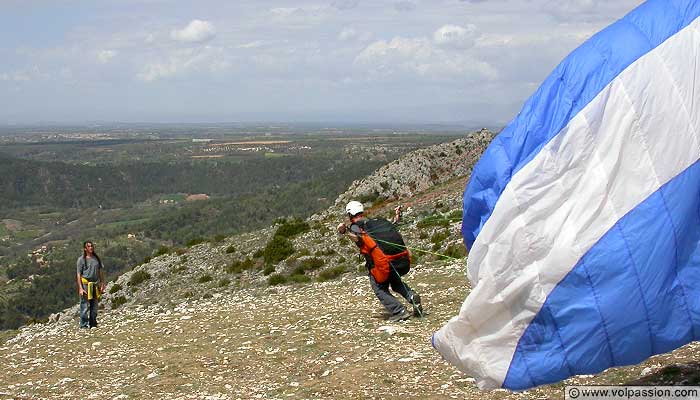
(383,61)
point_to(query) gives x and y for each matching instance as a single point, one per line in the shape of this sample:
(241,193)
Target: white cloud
(251,45)
(196,31)
(104,56)
(404,57)
(345,4)
(575,10)
(304,16)
(455,36)
(405,5)
(350,34)
(184,61)
(284,12)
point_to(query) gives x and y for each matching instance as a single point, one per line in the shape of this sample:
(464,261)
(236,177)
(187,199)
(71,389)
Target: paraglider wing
(583,215)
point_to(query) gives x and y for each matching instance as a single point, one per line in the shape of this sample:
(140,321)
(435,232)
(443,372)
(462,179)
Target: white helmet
(354,207)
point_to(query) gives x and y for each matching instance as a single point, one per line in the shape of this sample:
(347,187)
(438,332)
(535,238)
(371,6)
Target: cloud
(349,34)
(575,10)
(251,45)
(197,31)
(300,15)
(345,4)
(104,56)
(455,36)
(418,57)
(185,61)
(405,5)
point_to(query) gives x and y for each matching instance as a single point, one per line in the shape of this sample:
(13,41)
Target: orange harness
(382,267)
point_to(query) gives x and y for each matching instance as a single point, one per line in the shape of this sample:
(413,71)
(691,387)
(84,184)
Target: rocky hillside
(286,312)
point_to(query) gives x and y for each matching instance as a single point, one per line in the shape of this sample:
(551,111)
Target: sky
(367,61)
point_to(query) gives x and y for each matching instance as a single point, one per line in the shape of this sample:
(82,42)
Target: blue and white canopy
(583,215)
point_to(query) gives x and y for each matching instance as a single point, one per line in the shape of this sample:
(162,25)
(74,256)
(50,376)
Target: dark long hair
(93,253)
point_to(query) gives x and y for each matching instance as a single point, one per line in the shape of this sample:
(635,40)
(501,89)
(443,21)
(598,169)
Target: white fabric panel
(615,153)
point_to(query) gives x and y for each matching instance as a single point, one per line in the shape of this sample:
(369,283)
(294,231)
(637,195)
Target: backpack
(384,248)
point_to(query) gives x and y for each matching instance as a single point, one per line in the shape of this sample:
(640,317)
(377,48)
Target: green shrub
(313,263)
(292,228)
(207,295)
(162,250)
(303,252)
(341,259)
(180,251)
(423,235)
(205,278)
(139,277)
(331,273)
(368,198)
(277,249)
(187,294)
(218,238)
(224,282)
(146,260)
(118,301)
(258,253)
(230,249)
(268,270)
(239,266)
(194,242)
(299,278)
(179,268)
(298,270)
(184,258)
(439,237)
(325,252)
(115,288)
(455,215)
(433,220)
(276,279)
(455,250)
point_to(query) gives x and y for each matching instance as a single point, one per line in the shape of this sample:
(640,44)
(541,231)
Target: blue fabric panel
(570,87)
(636,293)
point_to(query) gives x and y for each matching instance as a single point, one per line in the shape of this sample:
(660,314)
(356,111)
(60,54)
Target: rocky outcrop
(420,170)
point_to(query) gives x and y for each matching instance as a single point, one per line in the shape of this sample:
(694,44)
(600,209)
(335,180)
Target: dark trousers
(391,303)
(88,312)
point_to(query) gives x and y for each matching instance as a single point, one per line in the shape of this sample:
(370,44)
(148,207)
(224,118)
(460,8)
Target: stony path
(323,340)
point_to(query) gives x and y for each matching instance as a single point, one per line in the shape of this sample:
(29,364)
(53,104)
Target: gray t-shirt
(90,269)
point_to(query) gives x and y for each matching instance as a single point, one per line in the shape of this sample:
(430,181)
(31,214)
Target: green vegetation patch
(176,197)
(118,301)
(224,282)
(331,273)
(433,220)
(276,279)
(162,250)
(115,288)
(239,266)
(195,241)
(292,228)
(28,234)
(138,278)
(277,249)
(299,278)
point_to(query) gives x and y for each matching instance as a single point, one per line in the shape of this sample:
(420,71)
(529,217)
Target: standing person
(91,285)
(386,260)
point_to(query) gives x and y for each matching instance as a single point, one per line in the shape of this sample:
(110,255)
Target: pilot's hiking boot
(417,307)
(402,316)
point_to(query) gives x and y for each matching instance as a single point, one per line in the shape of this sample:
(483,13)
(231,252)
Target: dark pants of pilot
(391,303)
